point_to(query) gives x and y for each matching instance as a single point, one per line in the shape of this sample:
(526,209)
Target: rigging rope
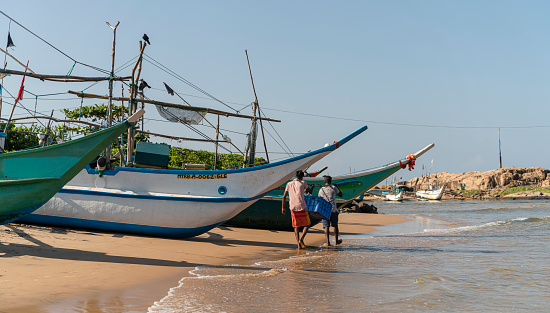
(49,44)
(172,73)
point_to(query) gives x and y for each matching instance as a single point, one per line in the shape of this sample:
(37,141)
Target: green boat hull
(266,213)
(29,178)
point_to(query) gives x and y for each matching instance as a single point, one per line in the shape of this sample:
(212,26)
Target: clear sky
(416,72)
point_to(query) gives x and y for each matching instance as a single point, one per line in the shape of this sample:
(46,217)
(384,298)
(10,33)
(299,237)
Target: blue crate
(318,207)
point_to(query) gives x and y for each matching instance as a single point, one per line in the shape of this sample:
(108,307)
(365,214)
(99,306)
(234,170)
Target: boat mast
(132,105)
(251,147)
(110,104)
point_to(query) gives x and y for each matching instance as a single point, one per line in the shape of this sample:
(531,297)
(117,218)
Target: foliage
(519,189)
(96,112)
(24,137)
(179,156)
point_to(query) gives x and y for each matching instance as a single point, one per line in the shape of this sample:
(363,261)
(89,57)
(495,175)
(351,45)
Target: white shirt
(329,193)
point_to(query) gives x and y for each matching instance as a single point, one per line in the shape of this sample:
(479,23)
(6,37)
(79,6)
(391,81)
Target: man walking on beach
(329,193)
(300,218)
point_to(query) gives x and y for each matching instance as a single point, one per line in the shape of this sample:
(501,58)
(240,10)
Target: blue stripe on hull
(145,230)
(151,197)
(11,216)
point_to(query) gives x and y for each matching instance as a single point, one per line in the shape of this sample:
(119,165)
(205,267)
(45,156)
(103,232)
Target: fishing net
(180,115)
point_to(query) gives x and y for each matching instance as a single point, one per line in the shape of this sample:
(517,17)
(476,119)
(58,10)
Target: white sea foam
(171,303)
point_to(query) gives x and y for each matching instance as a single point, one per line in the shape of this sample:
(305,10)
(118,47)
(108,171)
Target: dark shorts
(333,220)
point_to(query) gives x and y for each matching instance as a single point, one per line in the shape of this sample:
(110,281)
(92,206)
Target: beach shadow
(37,248)
(219,240)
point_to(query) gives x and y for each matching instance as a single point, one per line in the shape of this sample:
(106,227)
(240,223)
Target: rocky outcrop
(495,179)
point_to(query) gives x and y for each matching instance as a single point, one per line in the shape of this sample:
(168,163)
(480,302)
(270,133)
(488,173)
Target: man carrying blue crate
(329,193)
(300,218)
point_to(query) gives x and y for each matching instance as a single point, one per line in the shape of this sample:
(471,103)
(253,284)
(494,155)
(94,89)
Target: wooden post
(499,154)
(110,104)
(132,106)
(2,83)
(256,106)
(217,134)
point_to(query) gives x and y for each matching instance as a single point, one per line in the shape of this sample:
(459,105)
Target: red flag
(22,88)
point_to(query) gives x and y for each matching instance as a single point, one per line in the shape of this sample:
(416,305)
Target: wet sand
(45,269)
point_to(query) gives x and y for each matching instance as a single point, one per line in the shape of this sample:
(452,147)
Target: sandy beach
(45,269)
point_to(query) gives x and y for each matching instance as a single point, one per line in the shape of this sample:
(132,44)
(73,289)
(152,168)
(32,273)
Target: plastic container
(318,207)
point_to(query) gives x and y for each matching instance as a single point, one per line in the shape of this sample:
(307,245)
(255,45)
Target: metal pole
(499,154)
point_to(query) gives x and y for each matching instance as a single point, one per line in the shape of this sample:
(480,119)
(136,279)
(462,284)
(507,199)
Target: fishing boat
(29,178)
(266,213)
(391,196)
(167,203)
(434,194)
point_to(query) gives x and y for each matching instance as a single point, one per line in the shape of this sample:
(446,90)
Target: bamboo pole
(136,71)
(257,106)
(217,134)
(52,119)
(61,78)
(178,138)
(172,105)
(16,60)
(110,103)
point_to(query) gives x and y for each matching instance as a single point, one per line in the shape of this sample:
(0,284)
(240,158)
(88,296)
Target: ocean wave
(492,224)
(172,303)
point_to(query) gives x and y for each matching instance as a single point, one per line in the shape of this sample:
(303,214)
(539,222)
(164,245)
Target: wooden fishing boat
(391,196)
(266,213)
(435,194)
(167,203)
(29,178)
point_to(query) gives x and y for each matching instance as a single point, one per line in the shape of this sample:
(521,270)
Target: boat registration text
(212,176)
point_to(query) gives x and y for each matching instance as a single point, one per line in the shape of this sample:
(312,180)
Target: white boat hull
(168,203)
(431,194)
(391,197)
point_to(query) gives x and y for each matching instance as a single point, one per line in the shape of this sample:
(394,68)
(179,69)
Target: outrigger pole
(173,105)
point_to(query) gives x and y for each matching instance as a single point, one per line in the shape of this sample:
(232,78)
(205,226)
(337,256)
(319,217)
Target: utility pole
(499,153)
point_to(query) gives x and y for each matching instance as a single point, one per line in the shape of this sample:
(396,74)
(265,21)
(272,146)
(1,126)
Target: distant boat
(431,194)
(167,203)
(29,178)
(266,213)
(391,196)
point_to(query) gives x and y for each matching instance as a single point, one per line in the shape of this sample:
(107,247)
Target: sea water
(487,256)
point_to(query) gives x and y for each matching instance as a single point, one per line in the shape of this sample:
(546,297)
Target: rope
(172,73)
(49,44)
(70,71)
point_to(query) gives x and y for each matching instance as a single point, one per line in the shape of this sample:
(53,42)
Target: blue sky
(416,72)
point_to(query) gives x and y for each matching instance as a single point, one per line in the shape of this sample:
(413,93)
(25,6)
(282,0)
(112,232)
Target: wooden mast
(110,103)
(136,71)
(217,134)
(253,134)
(2,83)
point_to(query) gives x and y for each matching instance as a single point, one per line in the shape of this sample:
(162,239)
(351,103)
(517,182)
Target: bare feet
(302,244)
(339,241)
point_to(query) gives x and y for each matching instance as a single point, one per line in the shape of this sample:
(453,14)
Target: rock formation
(489,180)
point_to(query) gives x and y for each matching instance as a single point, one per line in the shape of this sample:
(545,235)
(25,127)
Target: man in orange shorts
(300,218)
